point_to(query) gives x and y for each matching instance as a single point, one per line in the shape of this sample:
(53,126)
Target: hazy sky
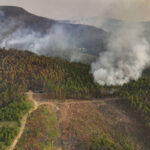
(75,9)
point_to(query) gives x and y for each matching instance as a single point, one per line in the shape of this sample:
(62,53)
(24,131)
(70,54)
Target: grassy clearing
(41,130)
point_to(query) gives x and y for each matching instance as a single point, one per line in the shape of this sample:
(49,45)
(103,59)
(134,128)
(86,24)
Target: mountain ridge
(16,19)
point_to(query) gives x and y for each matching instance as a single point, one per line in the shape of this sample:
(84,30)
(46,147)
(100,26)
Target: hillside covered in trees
(21,71)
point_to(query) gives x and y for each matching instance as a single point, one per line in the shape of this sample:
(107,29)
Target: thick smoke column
(127,55)
(127,52)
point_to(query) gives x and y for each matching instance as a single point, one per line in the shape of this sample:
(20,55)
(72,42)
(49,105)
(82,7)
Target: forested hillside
(21,71)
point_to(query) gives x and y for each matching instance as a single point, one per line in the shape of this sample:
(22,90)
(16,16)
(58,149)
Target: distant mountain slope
(108,24)
(23,30)
(12,13)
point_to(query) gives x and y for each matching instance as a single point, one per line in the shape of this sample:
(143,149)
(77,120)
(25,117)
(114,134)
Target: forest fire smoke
(127,50)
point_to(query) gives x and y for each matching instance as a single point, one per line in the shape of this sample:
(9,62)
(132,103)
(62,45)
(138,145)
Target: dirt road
(24,119)
(39,103)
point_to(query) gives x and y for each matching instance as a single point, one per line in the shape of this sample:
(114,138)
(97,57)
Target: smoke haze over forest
(123,54)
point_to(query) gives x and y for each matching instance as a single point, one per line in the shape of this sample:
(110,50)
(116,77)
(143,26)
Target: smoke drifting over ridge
(55,42)
(48,37)
(124,57)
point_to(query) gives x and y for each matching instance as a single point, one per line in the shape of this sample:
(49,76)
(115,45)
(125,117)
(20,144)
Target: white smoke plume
(128,51)
(127,55)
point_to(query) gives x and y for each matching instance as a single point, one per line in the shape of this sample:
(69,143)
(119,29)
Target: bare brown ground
(78,119)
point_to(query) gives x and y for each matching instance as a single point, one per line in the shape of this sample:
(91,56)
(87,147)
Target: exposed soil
(78,119)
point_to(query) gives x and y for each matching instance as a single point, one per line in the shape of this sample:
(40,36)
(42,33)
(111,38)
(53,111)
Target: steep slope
(23,30)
